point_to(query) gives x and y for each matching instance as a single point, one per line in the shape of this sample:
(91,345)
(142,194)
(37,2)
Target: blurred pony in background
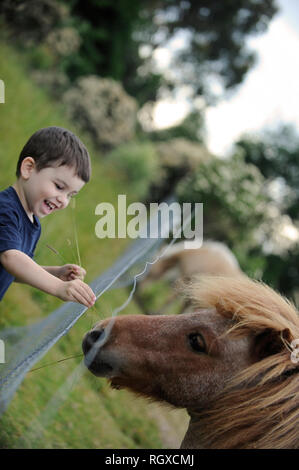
(181,265)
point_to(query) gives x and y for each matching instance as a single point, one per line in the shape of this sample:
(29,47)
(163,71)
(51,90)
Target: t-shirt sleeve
(10,234)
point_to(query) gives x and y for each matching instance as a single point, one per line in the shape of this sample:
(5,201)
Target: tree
(213,47)
(118,39)
(235,204)
(109,47)
(276,154)
(213,37)
(191,128)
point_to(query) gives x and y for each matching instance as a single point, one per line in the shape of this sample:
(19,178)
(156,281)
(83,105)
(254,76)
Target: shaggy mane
(259,407)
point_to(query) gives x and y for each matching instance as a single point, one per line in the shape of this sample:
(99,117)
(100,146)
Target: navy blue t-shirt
(17,232)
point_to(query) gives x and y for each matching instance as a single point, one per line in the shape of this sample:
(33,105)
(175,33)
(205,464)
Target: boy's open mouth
(50,206)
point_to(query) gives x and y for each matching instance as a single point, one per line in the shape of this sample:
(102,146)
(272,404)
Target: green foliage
(109,37)
(40,57)
(276,154)
(191,128)
(282,271)
(138,164)
(31,21)
(110,46)
(214,41)
(103,109)
(43,30)
(233,198)
(214,34)
(178,157)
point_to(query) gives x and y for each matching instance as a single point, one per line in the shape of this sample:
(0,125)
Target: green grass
(92,415)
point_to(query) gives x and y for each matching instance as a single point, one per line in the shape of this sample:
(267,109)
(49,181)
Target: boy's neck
(20,192)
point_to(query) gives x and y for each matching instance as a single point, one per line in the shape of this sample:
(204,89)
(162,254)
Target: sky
(268,95)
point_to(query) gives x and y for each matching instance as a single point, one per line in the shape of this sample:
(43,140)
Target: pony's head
(259,406)
(180,359)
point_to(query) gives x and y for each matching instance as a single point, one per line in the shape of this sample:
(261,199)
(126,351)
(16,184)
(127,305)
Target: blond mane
(259,407)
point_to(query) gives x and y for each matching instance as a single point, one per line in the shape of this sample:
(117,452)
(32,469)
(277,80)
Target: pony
(227,362)
(179,265)
(212,258)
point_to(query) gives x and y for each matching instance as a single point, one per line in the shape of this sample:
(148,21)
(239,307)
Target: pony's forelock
(251,305)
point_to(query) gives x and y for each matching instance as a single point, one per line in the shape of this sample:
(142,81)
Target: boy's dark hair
(56,146)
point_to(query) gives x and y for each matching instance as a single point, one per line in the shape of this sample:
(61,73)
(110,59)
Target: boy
(53,166)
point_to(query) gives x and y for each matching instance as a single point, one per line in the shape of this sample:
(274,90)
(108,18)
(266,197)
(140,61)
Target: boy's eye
(58,186)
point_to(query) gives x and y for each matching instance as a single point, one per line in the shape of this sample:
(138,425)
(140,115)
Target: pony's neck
(192,439)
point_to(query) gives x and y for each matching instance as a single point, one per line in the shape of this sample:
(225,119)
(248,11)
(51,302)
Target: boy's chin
(41,214)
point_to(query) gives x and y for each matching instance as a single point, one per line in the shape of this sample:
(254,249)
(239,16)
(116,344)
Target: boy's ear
(27,166)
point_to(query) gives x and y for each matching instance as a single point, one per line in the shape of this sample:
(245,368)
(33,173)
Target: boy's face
(49,189)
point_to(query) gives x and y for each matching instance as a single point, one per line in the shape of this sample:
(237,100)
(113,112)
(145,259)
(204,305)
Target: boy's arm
(52,270)
(66,272)
(23,268)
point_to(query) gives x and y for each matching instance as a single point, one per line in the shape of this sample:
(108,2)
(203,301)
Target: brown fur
(243,392)
(212,258)
(259,407)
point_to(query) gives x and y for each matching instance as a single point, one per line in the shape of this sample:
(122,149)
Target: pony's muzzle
(91,345)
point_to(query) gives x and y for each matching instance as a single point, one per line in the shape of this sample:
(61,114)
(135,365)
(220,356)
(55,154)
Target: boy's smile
(45,191)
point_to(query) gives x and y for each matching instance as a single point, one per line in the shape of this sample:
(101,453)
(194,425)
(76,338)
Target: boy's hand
(76,291)
(68,272)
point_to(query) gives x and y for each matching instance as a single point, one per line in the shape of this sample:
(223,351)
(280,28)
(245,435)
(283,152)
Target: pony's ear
(270,342)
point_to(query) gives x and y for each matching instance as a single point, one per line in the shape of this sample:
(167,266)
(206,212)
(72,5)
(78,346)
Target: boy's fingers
(78,271)
(77,268)
(87,294)
(79,298)
(81,292)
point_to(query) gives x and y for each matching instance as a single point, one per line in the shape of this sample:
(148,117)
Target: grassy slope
(93,415)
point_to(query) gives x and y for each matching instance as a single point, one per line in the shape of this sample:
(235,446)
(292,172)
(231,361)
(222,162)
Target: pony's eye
(197,342)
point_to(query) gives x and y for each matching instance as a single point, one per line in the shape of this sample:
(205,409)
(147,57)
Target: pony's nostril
(90,339)
(95,335)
